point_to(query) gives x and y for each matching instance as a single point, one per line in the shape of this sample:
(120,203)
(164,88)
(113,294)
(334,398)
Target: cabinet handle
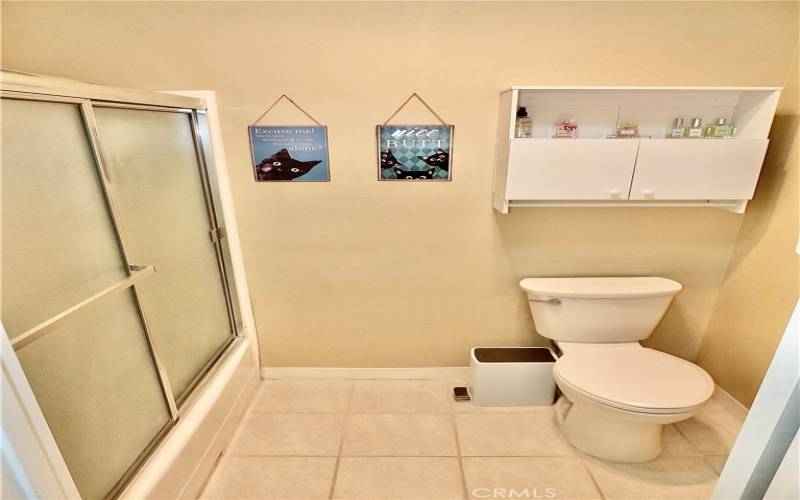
(614,193)
(648,193)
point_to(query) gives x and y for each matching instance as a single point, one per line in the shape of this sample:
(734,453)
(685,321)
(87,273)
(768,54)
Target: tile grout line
(226,450)
(341,442)
(405,455)
(415,412)
(699,451)
(283,455)
(442,412)
(685,438)
(708,462)
(454,424)
(679,431)
(214,469)
(580,455)
(406,412)
(591,476)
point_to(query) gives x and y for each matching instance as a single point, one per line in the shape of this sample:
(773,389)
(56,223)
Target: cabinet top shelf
(598,110)
(694,89)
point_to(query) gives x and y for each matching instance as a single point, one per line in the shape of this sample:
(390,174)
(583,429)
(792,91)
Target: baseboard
(730,403)
(450,372)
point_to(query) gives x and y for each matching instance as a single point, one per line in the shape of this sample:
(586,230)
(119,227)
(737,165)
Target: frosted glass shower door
(92,374)
(159,188)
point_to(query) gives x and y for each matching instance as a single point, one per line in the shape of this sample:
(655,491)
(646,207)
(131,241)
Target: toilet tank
(598,309)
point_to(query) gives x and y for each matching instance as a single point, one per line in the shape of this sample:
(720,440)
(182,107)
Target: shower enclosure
(117,292)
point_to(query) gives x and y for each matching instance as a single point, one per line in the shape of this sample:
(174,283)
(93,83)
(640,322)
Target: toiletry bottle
(695,130)
(676,131)
(524,128)
(627,130)
(721,129)
(567,129)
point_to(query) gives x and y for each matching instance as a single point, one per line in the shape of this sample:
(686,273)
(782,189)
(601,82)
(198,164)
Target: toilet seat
(634,378)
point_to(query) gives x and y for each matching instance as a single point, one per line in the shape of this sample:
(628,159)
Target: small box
(512,376)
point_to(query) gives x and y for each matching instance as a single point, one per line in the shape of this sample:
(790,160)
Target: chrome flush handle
(552,302)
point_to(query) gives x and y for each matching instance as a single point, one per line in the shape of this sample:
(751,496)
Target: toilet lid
(635,377)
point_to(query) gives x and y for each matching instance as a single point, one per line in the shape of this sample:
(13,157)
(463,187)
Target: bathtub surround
(353,273)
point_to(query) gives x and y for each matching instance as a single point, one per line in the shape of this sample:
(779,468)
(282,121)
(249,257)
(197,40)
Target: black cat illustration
(388,160)
(282,167)
(439,159)
(413,174)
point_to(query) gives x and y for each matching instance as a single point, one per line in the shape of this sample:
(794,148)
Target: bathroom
(356,302)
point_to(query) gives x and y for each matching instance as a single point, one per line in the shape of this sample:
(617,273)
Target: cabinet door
(709,169)
(570,169)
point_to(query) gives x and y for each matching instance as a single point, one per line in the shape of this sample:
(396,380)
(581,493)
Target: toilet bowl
(617,397)
(617,394)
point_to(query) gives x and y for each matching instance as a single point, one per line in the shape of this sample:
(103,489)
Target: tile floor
(407,439)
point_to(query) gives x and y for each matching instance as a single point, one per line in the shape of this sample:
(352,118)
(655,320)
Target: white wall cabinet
(649,171)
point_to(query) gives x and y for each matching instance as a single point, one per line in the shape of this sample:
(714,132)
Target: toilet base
(599,434)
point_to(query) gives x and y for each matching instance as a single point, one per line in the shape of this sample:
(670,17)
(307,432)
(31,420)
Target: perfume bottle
(695,130)
(676,131)
(567,129)
(627,130)
(720,130)
(524,128)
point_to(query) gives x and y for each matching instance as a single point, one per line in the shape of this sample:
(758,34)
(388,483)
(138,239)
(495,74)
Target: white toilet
(617,393)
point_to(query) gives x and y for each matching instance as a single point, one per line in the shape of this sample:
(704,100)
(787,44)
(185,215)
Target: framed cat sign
(289,153)
(415,152)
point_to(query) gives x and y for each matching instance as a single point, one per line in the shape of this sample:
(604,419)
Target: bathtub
(183,461)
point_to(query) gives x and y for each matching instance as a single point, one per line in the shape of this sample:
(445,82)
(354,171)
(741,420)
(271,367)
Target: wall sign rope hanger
(420,99)
(284,96)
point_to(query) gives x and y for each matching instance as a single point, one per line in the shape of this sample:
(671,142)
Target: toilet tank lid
(606,287)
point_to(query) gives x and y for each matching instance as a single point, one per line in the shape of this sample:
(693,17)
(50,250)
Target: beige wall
(360,273)
(761,285)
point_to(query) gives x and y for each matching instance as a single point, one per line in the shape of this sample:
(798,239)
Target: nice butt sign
(414,152)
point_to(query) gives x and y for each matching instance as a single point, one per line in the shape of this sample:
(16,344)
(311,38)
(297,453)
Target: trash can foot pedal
(461,394)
